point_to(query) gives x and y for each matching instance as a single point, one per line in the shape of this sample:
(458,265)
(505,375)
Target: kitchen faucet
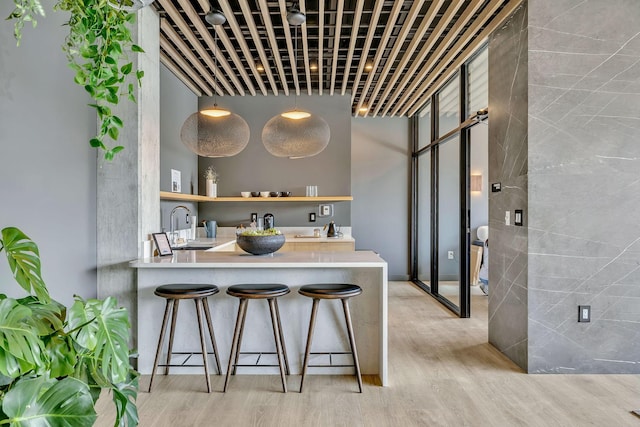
(173,211)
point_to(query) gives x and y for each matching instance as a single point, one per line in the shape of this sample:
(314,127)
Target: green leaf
(95,142)
(47,318)
(106,334)
(62,356)
(49,402)
(117,149)
(110,60)
(21,348)
(113,132)
(124,397)
(126,68)
(24,262)
(116,121)
(136,48)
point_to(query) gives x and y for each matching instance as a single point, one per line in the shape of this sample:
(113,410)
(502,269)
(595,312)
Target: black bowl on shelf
(260,245)
(255,194)
(285,193)
(274,194)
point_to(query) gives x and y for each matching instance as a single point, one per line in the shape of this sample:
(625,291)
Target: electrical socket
(312,217)
(450,254)
(584,313)
(325,210)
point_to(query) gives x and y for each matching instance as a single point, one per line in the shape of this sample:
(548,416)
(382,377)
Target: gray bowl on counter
(260,245)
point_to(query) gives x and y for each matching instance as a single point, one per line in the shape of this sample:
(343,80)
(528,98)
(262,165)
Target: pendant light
(215,132)
(296,133)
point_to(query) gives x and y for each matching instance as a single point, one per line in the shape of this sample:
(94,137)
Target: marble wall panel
(508,159)
(583,181)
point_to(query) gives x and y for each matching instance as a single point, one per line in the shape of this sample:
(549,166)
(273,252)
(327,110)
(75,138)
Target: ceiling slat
(266,19)
(231,51)
(186,68)
(444,61)
(305,50)
(320,45)
(444,43)
(237,32)
(191,57)
(177,20)
(477,42)
(336,46)
(352,44)
(434,8)
(164,59)
(390,59)
(365,50)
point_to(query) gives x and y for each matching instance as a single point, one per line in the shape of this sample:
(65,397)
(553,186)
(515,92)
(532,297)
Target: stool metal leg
(352,341)
(242,309)
(312,323)
(284,347)
(203,345)
(276,337)
(160,339)
(207,314)
(244,317)
(174,316)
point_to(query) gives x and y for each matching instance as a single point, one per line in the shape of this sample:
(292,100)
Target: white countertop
(206,259)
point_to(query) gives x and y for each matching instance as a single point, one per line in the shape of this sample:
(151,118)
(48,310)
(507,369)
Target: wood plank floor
(442,373)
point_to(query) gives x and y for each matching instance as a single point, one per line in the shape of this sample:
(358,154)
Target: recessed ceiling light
(368,66)
(313,66)
(259,66)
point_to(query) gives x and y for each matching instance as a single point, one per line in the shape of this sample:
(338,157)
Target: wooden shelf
(166,195)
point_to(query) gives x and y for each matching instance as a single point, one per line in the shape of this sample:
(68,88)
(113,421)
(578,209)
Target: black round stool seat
(186,290)
(330,290)
(260,290)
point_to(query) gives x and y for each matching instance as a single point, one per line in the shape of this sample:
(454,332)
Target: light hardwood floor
(442,373)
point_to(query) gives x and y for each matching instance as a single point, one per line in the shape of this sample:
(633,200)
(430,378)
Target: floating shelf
(167,195)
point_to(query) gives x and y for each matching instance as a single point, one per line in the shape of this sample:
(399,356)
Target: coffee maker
(269,221)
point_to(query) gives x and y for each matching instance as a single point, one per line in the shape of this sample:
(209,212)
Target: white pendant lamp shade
(130,5)
(211,136)
(296,138)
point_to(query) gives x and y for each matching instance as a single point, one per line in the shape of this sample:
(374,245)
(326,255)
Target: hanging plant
(97,48)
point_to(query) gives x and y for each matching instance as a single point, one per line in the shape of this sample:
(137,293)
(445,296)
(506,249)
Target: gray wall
(177,102)
(380,175)
(480,165)
(254,169)
(584,158)
(508,151)
(47,171)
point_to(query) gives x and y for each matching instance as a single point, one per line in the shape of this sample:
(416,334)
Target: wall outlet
(254,217)
(312,217)
(450,254)
(584,313)
(325,210)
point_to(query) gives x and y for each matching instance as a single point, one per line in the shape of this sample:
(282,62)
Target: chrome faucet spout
(172,221)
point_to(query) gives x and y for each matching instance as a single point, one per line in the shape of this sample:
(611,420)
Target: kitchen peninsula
(369,310)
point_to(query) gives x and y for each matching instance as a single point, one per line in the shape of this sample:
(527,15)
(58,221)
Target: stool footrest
(259,354)
(330,364)
(183,364)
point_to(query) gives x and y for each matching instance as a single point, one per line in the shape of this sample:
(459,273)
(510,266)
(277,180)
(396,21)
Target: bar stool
(340,291)
(173,293)
(270,292)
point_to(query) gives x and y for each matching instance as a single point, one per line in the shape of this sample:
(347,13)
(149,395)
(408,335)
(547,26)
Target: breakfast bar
(294,269)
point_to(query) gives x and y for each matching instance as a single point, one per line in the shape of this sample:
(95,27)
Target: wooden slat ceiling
(389,55)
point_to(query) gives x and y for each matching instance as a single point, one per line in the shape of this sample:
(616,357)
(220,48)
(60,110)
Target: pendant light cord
(215,65)
(295,70)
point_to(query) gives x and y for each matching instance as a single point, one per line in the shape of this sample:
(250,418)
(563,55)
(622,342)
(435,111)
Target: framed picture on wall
(176,181)
(162,243)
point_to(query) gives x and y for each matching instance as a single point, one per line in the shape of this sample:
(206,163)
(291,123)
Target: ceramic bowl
(264,194)
(255,194)
(285,193)
(245,194)
(260,245)
(274,194)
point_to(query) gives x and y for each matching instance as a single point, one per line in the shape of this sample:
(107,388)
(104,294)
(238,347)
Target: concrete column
(128,204)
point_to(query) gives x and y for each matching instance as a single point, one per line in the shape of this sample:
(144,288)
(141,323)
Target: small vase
(212,188)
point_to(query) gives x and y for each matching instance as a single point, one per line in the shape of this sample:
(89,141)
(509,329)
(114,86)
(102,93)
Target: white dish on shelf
(264,193)
(245,194)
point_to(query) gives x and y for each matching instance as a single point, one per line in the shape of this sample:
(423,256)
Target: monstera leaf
(21,349)
(49,402)
(24,261)
(103,328)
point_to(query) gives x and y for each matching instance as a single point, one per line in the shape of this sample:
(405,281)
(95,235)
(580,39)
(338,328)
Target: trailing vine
(97,48)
